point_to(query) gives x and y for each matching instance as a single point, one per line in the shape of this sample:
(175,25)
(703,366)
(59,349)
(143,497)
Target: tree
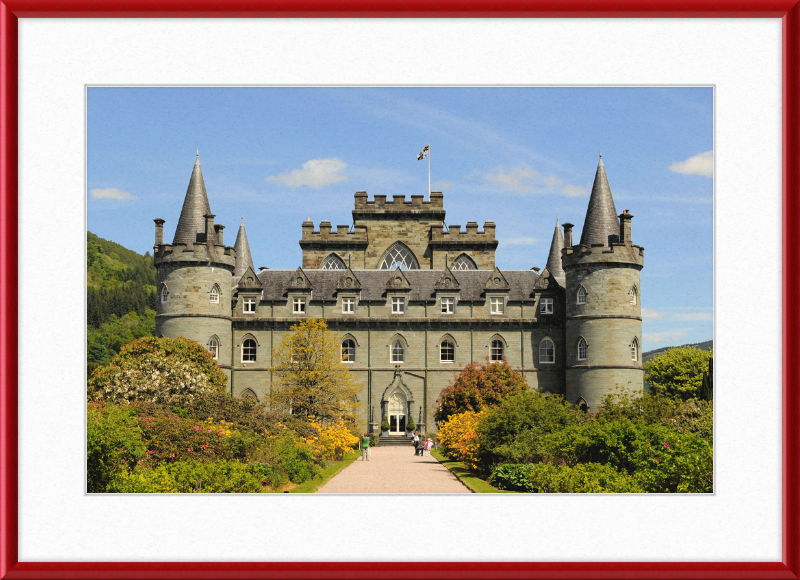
(312,383)
(159,370)
(477,387)
(678,372)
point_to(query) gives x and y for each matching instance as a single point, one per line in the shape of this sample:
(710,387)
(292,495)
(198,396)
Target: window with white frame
(464,262)
(164,294)
(249,306)
(213,295)
(348,305)
(448,305)
(397,354)
(447,351)
(399,256)
(547,351)
(348,350)
(496,305)
(213,348)
(635,350)
(632,296)
(299,305)
(582,349)
(581,295)
(497,350)
(333,262)
(249,350)
(398,305)
(546,306)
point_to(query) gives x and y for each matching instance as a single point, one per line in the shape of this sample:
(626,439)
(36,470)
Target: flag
(424,153)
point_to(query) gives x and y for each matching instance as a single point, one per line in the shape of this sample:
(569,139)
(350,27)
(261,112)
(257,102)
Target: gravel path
(395,470)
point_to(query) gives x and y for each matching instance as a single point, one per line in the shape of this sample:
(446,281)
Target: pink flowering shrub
(170,438)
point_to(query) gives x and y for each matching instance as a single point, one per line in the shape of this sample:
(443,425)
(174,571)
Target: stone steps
(395,441)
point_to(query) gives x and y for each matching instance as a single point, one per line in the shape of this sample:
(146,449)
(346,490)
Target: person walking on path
(416,443)
(365,449)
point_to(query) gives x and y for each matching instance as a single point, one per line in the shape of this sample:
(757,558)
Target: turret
(243,258)
(604,320)
(554,257)
(194,276)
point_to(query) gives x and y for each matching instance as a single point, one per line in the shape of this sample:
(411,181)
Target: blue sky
(516,156)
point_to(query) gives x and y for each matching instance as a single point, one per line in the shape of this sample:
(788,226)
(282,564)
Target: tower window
(398,305)
(497,351)
(496,305)
(546,306)
(632,296)
(397,354)
(249,350)
(447,351)
(547,351)
(249,306)
(448,305)
(333,262)
(213,348)
(635,350)
(464,262)
(213,296)
(164,294)
(399,256)
(348,350)
(299,305)
(582,349)
(581,295)
(348,305)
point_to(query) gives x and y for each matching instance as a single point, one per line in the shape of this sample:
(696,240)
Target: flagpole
(429,169)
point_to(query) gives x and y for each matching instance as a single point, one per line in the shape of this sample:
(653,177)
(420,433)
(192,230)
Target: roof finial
(198,153)
(242,219)
(601,154)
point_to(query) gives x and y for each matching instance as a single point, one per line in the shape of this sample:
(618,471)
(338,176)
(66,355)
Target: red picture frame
(11,10)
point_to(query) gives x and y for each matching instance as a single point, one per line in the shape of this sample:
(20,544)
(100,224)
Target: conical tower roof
(195,207)
(601,217)
(554,259)
(243,258)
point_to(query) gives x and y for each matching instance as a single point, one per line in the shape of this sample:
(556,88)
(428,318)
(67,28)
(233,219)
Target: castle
(412,301)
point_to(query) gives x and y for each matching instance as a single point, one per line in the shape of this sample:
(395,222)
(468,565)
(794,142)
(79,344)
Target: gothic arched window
(447,351)
(497,350)
(213,348)
(213,295)
(249,350)
(464,262)
(635,350)
(582,349)
(581,295)
(399,256)
(348,350)
(333,262)
(164,294)
(547,351)
(632,295)
(397,352)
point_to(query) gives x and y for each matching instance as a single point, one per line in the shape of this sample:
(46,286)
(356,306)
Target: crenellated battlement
(343,237)
(470,238)
(398,207)
(617,252)
(199,252)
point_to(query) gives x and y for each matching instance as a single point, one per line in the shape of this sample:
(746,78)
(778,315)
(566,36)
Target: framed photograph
(53,56)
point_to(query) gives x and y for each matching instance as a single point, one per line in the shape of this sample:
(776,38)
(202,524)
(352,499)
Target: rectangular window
(448,305)
(497,305)
(348,305)
(249,306)
(546,306)
(398,305)
(299,305)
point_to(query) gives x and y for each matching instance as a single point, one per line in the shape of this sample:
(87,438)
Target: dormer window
(398,305)
(299,305)
(448,305)
(348,305)
(546,306)
(496,305)
(249,306)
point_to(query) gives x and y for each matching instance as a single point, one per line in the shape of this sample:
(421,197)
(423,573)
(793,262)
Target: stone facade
(457,307)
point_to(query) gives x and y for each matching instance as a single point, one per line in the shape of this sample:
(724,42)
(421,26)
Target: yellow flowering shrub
(459,437)
(333,440)
(221,427)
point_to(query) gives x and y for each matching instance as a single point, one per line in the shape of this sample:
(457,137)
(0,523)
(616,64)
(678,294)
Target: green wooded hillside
(646,356)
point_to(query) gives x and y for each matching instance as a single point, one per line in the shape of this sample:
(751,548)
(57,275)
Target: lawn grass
(312,485)
(472,481)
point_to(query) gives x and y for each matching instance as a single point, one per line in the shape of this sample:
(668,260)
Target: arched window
(464,262)
(399,256)
(249,394)
(333,262)
(497,350)
(582,405)
(632,295)
(581,295)
(348,350)
(397,352)
(582,349)
(213,295)
(447,351)
(635,350)
(249,350)
(213,348)
(164,294)
(547,351)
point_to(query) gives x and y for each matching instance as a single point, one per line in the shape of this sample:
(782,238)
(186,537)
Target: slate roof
(195,207)
(243,258)
(554,265)
(373,283)
(601,217)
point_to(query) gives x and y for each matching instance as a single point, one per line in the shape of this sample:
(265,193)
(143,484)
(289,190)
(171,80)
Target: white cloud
(525,181)
(111,193)
(648,313)
(695,316)
(520,241)
(700,164)
(315,173)
(440,185)
(666,336)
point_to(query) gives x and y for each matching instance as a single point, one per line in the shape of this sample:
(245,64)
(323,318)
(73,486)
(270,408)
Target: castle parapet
(223,256)
(616,252)
(341,239)
(471,238)
(398,207)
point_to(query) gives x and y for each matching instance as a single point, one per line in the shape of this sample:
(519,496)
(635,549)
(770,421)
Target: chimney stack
(159,231)
(625,227)
(567,235)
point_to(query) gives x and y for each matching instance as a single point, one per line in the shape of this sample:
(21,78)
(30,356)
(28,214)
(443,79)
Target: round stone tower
(603,314)
(194,276)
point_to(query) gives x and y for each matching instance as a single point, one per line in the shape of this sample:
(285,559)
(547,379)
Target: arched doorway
(398,406)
